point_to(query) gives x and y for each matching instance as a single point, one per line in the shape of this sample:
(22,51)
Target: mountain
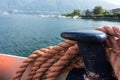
(59,6)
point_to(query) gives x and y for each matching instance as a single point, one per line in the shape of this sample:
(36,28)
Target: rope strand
(50,62)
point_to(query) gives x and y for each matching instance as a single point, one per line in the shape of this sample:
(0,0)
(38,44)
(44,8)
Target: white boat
(75,17)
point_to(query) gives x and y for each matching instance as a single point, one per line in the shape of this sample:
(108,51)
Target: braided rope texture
(50,62)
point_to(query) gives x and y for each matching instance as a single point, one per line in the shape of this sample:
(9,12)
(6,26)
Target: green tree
(88,13)
(117,15)
(98,10)
(108,13)
(76,12)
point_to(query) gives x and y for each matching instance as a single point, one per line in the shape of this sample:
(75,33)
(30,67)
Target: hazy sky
(114,2)
(58,5)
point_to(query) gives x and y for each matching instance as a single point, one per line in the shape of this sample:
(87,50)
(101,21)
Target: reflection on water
(21,34)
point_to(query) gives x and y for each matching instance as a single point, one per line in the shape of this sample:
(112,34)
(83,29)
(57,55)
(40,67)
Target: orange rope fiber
(50,62)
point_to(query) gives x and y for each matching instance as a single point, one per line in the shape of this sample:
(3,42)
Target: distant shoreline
(93,18)
(97,13)
(102,18)
(116,19)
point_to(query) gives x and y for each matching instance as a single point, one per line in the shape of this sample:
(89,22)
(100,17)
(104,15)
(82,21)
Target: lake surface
(22,34)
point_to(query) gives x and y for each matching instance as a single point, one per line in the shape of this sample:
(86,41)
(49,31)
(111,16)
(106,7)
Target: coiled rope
(50,62)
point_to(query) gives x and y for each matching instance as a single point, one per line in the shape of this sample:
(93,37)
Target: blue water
(22,34)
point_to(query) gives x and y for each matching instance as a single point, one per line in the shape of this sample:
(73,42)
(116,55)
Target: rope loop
(50,62)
